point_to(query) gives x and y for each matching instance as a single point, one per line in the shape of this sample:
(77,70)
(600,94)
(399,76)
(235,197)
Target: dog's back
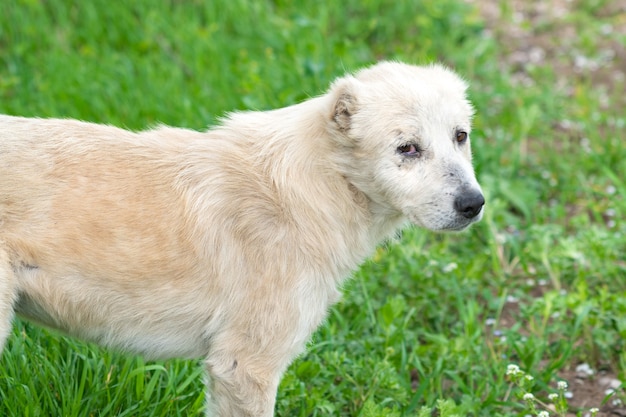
(96,232)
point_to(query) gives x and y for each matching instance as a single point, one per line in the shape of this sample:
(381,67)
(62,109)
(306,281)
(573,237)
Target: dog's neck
(331,224)
(310,172)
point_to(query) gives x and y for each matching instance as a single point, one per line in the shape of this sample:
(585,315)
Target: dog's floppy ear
(344,104)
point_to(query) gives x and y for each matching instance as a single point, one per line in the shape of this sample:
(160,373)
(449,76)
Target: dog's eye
(461,136)
(409,149)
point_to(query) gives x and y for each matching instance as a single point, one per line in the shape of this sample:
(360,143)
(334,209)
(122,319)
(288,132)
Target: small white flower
(606,29)
(529,377)
(528,397)
(553,397)
(562,385)
(543,414)
(594,410)
(512,299)
(586,145)
(450,267)
(512,369)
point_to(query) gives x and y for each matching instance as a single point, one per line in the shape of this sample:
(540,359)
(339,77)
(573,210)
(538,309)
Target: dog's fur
(229,244)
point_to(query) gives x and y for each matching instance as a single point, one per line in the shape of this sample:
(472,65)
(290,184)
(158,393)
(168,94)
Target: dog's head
(404,132)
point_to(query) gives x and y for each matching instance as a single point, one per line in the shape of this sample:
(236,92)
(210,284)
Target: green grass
(427,318)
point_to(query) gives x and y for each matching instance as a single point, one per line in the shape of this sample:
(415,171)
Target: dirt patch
(535,33)
(588,389)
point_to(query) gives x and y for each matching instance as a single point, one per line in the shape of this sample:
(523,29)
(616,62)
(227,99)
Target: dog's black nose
(469,203)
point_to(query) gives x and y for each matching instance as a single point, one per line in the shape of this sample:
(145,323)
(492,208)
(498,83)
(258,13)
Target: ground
(548,33)
(539,282)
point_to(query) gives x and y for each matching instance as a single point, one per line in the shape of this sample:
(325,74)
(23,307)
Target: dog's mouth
(454,223)
(465,222)
(459,227)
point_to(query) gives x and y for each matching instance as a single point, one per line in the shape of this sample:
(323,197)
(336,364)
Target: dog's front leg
(241,384)
(249,356)
(8,294)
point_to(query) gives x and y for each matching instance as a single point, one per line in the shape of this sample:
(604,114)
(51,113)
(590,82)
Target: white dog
(228,244)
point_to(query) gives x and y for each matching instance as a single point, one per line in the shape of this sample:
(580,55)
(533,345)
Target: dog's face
(406,135)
